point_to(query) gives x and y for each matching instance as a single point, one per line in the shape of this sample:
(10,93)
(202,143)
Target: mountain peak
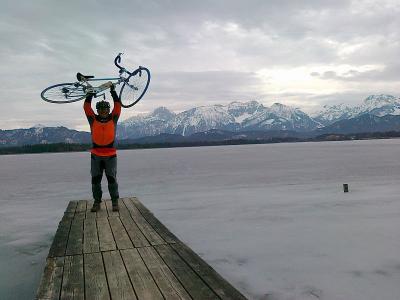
(162,113)
(38,126)
(381,99)
(242,110)
(283,110)
(237,104)
(279,105)
(376,103)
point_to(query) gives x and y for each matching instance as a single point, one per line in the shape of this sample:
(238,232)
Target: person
(103,127)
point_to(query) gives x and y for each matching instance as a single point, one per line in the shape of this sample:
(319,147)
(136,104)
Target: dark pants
(109,165)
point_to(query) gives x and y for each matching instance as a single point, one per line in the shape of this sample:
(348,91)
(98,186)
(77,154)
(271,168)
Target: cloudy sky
(304,53)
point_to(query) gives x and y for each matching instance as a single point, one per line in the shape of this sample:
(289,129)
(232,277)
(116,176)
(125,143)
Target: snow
(272,219)
(284,111)
(242,117)
(39,126)
(217,116)
(395,111)
(379,105)
(252,113)
(268,122)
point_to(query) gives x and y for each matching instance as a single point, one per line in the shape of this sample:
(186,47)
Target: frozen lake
(272,219)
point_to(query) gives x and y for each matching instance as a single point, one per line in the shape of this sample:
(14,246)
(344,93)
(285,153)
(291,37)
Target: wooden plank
(102,213)
(217,283)
(72,284)
(80,212)
(75,238)
(90,237)
(81,207)
(123,211)
(68,215)
(120,235)
(137,237)
(118,279)
(50,283)
(110,212)
(96,286)
(89,214)
(61,238)
(71,207)
(152,236)
(189,279)
(142,281)
(163,231)
(106,238)
(168,284)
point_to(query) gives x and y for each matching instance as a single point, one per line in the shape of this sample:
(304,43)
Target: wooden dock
(128,254)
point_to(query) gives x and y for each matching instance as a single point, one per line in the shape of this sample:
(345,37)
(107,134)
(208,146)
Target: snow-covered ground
(272,219)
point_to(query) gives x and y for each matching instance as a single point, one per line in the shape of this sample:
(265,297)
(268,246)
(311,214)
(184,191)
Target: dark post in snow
(345,187)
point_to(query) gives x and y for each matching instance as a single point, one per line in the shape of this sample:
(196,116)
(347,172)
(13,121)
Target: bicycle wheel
(64,93)
(134,87)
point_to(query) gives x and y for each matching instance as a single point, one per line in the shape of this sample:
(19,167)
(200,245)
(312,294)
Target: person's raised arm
(117,103)
(87,106)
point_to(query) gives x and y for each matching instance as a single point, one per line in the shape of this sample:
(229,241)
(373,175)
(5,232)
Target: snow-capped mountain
(42,135)
(236,116)
(378,105)
(241,111)
(200,119)
(145,125)
(333,113)
(375,113)
(280,117)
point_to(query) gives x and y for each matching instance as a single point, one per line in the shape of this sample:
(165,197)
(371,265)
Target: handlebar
(117,60)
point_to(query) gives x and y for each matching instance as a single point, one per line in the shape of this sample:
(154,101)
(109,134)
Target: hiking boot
(95,207)
(115,206)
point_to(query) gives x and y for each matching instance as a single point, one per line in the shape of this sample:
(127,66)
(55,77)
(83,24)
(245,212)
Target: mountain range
(377,105)
(254,116)
(40,134)
(245,120)
(235,117)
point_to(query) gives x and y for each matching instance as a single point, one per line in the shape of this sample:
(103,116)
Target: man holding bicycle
(103,125)
(103,154)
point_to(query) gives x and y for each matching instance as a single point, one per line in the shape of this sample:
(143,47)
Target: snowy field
(272,219)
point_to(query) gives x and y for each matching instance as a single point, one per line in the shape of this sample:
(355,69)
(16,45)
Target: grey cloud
(206,86)
(350,98)
(46,42)
(390,73)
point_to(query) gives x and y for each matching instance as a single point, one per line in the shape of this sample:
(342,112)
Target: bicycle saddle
(79,76)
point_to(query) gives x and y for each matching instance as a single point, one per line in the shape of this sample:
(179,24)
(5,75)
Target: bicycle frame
(106,85)
(100,88)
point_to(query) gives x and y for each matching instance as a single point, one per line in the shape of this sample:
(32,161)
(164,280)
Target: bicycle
(134,86)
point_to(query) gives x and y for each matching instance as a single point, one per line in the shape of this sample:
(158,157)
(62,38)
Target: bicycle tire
(64,93)
(134,87)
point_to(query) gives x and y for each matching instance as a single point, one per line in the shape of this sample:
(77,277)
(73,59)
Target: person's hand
(90,91)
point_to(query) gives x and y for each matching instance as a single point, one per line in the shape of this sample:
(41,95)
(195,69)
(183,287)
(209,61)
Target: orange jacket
(103,130)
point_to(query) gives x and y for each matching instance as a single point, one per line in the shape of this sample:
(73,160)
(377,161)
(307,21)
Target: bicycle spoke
(64,93)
